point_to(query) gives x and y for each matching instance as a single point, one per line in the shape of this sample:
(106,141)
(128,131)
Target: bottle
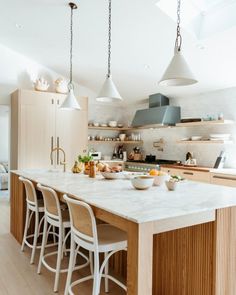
(92,171)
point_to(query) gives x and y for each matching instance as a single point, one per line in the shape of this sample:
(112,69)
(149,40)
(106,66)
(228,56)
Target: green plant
(85,159)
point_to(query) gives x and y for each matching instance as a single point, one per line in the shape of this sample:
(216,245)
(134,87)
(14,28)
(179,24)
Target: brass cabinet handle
(58,145)
(51,149)
(225,178)
(188,173)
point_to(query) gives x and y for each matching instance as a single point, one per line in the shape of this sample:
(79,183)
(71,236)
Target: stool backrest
(82,218)
(31,196)
(51,201)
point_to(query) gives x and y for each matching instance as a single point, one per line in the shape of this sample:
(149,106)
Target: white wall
(18,71)
(4,134)
(202,105)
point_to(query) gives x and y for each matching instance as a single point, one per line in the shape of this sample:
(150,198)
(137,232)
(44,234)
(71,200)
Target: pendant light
(178,72)
(70,102)
(109,92)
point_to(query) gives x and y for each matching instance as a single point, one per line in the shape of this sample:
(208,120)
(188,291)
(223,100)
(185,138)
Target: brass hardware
(58,145)
(188,173)
(63,163)
(51,149)
(225,178)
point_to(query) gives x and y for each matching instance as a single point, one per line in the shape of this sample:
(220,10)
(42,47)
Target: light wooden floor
(18,277)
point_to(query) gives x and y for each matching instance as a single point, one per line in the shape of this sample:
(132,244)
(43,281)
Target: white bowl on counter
(112,175)
(131,175)
(160,179)
(142,182)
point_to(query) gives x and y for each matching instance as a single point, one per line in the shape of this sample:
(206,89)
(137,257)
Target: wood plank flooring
(18,277)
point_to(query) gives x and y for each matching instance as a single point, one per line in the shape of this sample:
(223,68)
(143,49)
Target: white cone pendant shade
(178,72)
(70,103)
(109,92)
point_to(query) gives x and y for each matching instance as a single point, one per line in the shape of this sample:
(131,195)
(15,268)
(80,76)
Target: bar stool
(102,238)
(58,218)
(34,206)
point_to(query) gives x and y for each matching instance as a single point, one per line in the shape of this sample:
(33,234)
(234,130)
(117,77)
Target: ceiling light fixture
(178,72)
(70,102)
(109,92)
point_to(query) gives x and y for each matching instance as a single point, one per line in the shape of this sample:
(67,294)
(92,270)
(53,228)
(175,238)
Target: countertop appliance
(144,166)
(160,113)
(96,155)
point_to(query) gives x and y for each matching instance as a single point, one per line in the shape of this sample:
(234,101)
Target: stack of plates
(219,136)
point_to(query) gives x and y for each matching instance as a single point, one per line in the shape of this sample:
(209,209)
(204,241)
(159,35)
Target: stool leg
(96,277)
(91,261)
(59,256)
(106,273)
(35,237)
(43,245)
(71,264)
(26,228)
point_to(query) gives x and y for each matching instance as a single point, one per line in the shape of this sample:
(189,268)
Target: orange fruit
(154,172)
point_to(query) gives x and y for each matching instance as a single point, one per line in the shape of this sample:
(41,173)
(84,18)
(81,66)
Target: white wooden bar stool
(103,238)
(33,207)
(58,218)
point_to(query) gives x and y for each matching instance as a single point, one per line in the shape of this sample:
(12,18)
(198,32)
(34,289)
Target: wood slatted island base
(179,243)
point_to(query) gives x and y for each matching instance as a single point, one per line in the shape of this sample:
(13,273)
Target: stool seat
(110,238)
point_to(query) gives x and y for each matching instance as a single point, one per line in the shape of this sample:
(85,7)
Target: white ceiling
(143,39)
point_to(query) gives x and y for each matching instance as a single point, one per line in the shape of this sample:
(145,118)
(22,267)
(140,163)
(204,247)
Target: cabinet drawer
(196,175)
(189,174)
(223,179)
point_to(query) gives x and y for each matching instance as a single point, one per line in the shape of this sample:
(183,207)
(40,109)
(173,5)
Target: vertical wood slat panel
(183,261)
(225,262)
(18,207)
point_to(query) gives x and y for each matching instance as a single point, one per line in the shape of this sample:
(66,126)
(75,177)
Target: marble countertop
(226,171)
(120,198)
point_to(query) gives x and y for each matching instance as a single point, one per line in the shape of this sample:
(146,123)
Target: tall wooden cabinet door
(36,129)
(72,131)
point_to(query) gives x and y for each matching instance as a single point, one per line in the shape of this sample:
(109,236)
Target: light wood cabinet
(223,179)
(189,174)
(38,125)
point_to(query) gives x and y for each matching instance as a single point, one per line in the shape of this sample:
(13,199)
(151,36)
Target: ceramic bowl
(196,137)
(171,185)
(95,124)
(160,179)
(122,137)
(142,182)
(131,175)
(112,175)
(112,124)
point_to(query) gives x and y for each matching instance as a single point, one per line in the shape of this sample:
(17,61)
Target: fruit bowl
(112,175)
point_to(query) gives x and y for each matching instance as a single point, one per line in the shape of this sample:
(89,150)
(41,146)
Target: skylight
(203,18)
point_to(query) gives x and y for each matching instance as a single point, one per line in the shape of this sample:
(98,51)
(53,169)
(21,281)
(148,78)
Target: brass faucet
(64,154)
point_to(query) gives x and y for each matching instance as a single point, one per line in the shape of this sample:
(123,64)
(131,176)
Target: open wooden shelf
(205,123)
(110,128)
(205,141)
(115,141)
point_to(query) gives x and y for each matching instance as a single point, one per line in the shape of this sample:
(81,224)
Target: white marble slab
(226,171)
(120,198)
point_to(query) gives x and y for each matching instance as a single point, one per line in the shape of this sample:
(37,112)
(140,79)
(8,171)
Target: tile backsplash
(208,104)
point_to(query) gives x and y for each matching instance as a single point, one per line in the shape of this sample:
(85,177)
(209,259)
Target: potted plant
(85,160)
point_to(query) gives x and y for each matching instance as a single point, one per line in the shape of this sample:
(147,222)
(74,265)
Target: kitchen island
(179,243)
